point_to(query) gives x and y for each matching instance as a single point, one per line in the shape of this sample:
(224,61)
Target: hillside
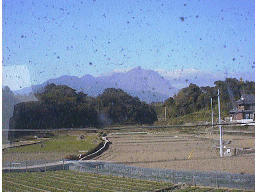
(192,104)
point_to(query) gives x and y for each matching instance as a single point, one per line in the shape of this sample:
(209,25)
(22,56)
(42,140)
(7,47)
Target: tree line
(60,106)
(194,98)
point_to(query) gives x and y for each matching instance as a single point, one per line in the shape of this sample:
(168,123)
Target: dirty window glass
(161,86)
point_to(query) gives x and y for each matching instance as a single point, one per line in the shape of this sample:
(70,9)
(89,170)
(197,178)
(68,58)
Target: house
(245,109)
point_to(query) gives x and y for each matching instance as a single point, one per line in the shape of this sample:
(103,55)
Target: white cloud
(121,70)
(183,77)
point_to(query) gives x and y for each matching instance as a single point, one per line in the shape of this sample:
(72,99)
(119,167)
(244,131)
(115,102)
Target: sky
(47,39)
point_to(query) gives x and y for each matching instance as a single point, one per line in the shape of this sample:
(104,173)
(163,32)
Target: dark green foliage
(231,90)
(62,107)
(58,107)
(120,107)
(193,98)
(187,99)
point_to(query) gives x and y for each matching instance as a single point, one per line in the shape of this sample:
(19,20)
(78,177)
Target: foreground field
(75,181)
(179,151)
(54,148)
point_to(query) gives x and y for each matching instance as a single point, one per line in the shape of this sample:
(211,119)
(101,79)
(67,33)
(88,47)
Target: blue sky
(53,38)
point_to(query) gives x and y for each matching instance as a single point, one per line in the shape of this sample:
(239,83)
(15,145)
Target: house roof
(246,99)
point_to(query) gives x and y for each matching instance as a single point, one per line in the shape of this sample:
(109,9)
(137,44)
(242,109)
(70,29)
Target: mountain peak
(139,68)
(147,84)
(87,76)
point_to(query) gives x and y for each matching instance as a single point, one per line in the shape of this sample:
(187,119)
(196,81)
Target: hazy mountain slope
(148,85)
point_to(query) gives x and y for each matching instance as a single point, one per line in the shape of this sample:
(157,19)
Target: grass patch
(196,117)
(62,143)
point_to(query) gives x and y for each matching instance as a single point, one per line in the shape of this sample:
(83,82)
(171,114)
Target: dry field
(179,151)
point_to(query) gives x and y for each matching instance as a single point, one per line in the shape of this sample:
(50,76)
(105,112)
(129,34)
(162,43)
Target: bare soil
(179,151)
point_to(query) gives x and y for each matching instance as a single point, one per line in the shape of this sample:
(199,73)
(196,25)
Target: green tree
(121,108)
(57,107)
(186,99)
(193,98)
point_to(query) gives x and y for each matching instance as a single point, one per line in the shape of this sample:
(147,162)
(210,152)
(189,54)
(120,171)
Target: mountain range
(148,85)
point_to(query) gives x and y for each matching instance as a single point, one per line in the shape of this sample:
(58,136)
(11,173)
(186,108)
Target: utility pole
(165,113)
(221,152)
(212,113)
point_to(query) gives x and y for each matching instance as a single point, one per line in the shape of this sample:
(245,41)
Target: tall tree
(120,107)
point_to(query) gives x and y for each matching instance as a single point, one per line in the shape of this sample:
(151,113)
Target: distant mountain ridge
(148,85)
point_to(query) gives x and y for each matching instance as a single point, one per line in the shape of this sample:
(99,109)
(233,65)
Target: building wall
(252,116)
(238,116)
(244,115)
(241,107)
